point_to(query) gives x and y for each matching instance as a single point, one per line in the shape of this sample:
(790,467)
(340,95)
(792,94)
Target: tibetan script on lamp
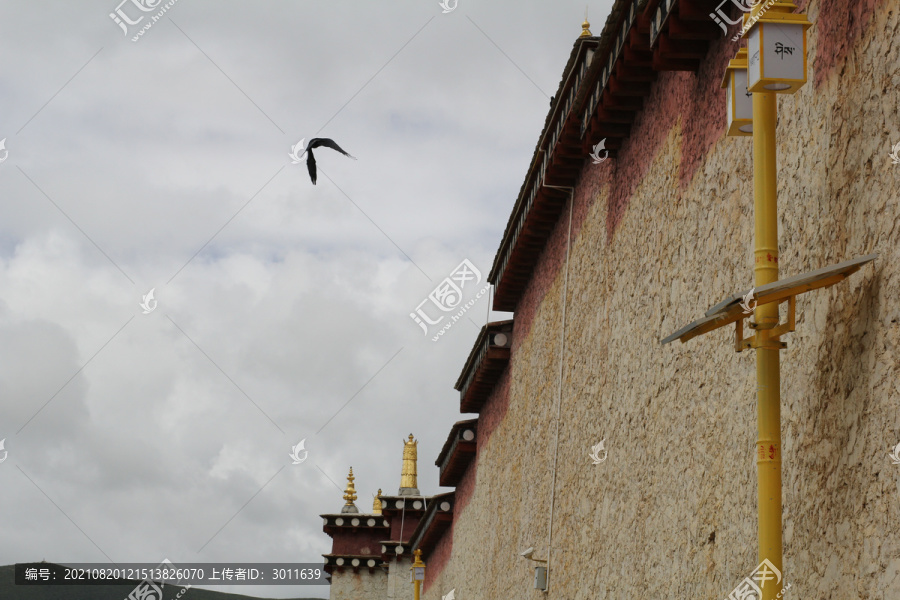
(781,50)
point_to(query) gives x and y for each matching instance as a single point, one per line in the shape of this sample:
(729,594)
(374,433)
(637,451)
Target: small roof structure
(485,365)
(435,523)
(458,452)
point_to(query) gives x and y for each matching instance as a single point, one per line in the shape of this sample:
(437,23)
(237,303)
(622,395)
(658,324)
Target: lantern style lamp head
(740,101)
(776,47)
(418,567)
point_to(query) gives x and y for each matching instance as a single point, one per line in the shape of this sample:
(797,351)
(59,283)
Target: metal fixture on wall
(540,573)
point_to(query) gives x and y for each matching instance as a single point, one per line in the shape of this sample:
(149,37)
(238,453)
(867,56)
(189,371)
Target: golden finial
(376,504)
(350,492)
(585,27)
(408,480)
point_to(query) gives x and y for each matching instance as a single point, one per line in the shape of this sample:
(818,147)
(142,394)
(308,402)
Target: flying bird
(310,159)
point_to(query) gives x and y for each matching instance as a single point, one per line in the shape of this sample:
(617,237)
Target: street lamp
(776,42)
(777,64)
(417,572)
(740,101)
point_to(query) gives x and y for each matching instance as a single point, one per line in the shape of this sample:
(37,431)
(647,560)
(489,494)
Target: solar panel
(730,310)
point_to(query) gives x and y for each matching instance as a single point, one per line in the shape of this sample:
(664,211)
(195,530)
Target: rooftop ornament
(350,495)
(408,477)
(376,503)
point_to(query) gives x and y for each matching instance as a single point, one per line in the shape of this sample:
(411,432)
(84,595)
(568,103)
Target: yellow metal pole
(768,375)
(417,563)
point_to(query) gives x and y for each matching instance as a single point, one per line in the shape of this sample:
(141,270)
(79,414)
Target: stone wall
(354,584)
(398,584)
(660,234)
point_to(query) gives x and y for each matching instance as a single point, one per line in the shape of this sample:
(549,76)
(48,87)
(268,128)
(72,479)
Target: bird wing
(328,143)
(311,163)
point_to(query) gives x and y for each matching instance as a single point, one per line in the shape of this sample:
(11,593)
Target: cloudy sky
(281,310)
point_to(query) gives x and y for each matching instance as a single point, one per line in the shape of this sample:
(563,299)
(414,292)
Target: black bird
(311,160)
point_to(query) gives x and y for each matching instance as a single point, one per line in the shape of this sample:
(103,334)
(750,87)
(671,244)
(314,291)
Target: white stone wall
(361,585)
(399,586)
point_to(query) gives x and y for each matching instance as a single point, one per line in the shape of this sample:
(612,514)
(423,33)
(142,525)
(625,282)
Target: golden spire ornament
(376,504)
(586,27)
(350,494)
(408,479)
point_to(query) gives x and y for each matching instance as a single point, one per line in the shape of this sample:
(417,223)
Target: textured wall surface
(660,234)
(349,585)
(398,585)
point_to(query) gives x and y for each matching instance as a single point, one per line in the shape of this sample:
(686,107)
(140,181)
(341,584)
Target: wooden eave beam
(601,115)
(628,88)
(661,63)
(621,103)
(626,72)
(693,30)
(638,41)
(696,10)
(692,49)
(637,58)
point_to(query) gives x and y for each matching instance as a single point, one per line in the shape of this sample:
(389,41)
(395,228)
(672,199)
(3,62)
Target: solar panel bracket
(772,340)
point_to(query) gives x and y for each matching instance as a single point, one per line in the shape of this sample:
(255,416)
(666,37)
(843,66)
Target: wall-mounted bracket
(788,327)
(772,338)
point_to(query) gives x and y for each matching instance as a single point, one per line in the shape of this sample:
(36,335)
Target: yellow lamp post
(417,572)
(776,64)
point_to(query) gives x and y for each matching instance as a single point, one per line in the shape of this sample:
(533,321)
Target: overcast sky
(282,309)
